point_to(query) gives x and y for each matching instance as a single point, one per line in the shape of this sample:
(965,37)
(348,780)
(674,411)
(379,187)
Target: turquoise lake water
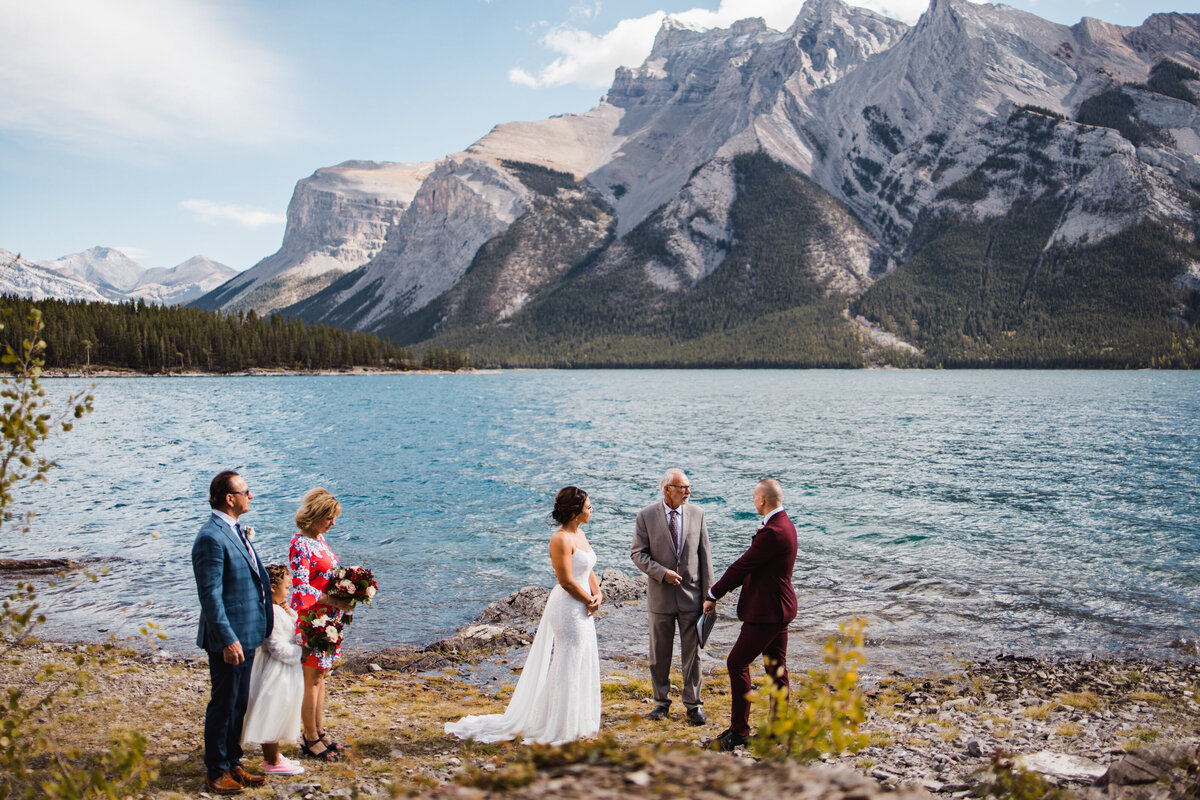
(1028,512)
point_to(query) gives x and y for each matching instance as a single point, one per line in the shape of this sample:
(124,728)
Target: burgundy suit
(766,606)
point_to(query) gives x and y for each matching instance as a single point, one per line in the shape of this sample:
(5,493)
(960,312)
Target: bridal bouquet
(320,631)
(352,584)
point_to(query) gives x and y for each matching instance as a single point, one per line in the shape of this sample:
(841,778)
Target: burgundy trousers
(768,639)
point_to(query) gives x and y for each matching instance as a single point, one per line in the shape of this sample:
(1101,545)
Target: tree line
(154,339)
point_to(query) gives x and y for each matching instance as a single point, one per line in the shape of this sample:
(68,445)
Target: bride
(557,698)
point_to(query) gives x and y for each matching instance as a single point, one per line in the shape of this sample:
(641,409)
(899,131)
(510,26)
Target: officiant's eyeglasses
(244,491)
(679,486)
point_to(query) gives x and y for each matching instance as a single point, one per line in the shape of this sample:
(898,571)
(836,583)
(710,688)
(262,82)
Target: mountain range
(105,274)
(985,187)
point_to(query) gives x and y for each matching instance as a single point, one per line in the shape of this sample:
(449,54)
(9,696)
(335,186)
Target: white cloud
(216,213)
(521,77)
(136,253)
(135,71)
(589,60)
(779,14)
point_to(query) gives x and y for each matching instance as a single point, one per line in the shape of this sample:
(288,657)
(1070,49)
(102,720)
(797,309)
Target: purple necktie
(671,524)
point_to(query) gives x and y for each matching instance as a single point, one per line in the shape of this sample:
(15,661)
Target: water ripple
(1030,511)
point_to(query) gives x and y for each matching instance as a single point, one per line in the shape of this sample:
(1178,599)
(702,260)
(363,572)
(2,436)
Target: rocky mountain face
(983,187)
(338,219)
(104,274)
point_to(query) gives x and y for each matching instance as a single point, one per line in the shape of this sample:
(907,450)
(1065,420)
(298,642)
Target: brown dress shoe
(245,778)
(225,784)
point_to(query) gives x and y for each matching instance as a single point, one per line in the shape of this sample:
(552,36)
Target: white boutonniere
(248,532)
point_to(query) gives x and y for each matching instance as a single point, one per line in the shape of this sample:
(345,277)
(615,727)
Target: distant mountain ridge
(105,274)
(829,194)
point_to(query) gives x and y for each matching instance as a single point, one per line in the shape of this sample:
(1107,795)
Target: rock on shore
(1070,721)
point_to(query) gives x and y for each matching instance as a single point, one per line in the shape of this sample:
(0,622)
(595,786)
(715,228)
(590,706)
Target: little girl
(276,684)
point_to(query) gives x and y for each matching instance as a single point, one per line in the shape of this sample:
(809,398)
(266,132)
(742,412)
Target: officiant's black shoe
(696,716)
(657,713)
(728,740)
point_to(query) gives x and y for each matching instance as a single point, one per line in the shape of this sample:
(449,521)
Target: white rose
(332,634)
(248,532)
(321,621)
(371,591)
(347,586)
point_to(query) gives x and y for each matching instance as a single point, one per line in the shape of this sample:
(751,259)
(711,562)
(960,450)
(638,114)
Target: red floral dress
(312,564)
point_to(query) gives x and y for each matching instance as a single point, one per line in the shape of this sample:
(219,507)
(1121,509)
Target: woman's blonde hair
(317,505)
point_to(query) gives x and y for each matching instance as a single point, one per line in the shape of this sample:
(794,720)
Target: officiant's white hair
(669,476)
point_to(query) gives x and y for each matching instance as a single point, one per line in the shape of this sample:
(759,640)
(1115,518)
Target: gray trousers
(662,643)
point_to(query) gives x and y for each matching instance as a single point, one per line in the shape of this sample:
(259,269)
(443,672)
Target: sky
(174,128)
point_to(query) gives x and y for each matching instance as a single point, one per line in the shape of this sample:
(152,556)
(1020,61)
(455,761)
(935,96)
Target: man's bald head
(771,493)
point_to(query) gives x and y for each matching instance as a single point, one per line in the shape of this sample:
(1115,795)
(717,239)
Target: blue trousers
(225,713)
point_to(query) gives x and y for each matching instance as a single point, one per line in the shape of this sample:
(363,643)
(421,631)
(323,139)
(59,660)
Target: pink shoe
(285,767)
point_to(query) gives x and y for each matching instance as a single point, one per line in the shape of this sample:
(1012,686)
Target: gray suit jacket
(235,599)
(654,554)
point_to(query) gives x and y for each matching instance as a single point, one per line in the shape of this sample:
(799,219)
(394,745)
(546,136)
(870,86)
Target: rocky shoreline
(1091,727)
(1074,721)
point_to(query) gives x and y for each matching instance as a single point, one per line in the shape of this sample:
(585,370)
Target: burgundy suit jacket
(765,574)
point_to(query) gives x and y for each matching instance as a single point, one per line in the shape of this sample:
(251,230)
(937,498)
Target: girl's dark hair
(277,573)
(568,503)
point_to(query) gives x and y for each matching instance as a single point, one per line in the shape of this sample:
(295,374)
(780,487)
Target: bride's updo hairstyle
(568,504)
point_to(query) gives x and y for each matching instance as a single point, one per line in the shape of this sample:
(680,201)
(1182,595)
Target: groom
(670,545)
(235,618)
(766,605)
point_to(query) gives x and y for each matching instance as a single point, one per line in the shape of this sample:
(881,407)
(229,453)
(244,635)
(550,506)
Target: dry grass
(1139,737)
(1147,697)
(879,739)
(1039,711)
(885,702)
(1067,730)
(1084,701)
(949,733)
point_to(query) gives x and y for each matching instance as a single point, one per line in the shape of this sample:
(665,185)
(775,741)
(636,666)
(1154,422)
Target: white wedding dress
(557,698)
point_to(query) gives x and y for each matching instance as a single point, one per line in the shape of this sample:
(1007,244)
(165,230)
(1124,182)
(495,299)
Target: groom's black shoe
(657,713)
(696,716)
(728,740)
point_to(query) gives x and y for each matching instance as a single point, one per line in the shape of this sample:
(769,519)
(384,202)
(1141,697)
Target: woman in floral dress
(313,565)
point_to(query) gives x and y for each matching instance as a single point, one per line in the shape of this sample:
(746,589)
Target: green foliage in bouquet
(320,631)
(825,708)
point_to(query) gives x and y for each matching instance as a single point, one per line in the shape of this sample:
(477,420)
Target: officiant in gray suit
(670,545)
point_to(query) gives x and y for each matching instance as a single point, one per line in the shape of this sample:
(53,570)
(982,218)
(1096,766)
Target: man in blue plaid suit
(235,618)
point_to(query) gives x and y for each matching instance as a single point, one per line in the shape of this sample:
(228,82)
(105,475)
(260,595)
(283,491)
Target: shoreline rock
(34,565)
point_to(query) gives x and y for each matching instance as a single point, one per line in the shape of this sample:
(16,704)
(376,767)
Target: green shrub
(825,709)
(32,762)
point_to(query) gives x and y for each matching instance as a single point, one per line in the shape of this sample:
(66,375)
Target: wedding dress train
(557,698)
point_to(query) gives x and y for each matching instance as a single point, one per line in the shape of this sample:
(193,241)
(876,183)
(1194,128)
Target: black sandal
(328,754)
(331,744)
